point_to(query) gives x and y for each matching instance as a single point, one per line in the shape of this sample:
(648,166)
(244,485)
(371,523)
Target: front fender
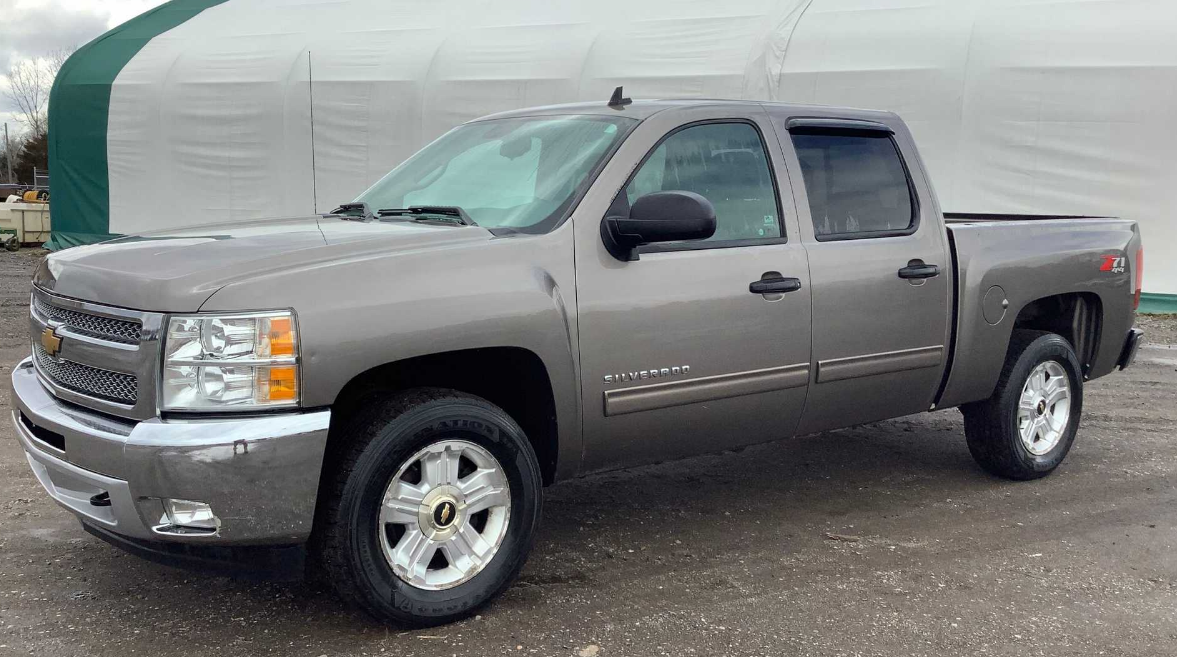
(357,314)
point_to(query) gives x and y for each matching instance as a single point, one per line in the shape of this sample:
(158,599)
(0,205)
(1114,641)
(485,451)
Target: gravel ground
(1159,329)
(880,540)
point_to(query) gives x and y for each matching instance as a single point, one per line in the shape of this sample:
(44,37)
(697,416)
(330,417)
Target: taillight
(1139,275)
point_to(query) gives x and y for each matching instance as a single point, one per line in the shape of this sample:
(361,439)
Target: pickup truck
(380,394)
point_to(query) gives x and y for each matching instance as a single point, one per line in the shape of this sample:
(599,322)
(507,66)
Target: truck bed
(1018,259)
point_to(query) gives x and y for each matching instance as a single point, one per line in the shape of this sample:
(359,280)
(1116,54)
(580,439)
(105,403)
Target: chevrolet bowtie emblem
(50,341)
(443,514)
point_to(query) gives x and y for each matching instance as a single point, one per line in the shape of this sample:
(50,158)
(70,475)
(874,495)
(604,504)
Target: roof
(637,109)
(643,109)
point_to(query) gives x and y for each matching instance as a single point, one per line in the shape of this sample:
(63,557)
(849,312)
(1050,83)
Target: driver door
(678,354)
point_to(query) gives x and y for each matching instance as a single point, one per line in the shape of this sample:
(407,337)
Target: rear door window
(856,183)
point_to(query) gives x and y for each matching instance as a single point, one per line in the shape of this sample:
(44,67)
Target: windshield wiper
(450,214)
(353,212)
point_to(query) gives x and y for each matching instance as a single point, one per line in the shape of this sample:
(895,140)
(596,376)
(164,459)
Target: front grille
(85,380)
(107,328)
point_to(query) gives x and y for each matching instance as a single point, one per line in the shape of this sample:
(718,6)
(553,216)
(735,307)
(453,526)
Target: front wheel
(432,511)
(1025,429)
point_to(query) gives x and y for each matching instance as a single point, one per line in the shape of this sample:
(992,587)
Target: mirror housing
(658,217)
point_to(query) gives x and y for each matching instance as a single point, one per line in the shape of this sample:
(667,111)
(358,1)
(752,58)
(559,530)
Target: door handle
(917,269)
(775,285)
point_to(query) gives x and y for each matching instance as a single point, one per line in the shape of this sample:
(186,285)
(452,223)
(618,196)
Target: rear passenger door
(879,266)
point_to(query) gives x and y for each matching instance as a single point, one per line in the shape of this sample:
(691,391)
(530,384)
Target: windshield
(523,174)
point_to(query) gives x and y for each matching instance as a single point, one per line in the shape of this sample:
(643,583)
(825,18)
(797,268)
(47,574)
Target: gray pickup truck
(382,392)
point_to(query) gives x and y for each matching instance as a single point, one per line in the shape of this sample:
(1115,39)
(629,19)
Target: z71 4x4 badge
(1113,264)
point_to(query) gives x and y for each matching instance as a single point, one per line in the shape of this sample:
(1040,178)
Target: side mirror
(659,217)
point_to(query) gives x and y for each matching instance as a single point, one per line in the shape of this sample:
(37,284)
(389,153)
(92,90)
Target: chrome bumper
(259,474)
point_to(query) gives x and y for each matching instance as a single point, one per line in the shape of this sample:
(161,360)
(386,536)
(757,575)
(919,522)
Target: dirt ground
(720,555)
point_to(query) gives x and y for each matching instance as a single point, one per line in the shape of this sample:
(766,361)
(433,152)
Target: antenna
(314,174)
(619,101)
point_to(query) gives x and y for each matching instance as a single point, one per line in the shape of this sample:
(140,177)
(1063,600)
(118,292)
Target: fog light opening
(187,517)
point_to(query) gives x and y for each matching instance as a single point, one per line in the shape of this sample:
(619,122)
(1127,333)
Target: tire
(992,426)
(356,548)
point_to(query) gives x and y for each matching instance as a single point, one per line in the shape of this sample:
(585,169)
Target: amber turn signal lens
(281,336)
(277,384)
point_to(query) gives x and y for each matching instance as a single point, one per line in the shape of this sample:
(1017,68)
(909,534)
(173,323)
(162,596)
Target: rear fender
(1018,263)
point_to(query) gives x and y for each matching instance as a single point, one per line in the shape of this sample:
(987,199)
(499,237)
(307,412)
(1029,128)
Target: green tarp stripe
(64,240)
(1158,304)
(79,113)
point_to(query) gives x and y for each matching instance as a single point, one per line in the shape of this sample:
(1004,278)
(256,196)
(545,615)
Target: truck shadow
(710,504)
(627,524)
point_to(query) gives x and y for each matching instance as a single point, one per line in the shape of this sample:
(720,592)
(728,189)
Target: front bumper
(259,474)
(265,562)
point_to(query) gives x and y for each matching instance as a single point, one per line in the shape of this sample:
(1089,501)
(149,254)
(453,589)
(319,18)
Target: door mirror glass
(659,217)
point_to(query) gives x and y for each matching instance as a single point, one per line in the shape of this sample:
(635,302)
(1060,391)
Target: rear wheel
(433,509)
(1026,428)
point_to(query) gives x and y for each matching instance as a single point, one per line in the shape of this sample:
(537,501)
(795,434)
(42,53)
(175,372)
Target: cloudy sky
(31,28)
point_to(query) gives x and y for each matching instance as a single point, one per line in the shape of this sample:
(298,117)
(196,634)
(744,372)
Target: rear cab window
(857,184)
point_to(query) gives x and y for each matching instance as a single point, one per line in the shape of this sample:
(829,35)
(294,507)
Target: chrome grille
(108,357)
(106,328)
(91,381)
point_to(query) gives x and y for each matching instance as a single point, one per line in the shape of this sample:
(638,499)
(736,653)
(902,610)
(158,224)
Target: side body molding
(708,388)
(838,369)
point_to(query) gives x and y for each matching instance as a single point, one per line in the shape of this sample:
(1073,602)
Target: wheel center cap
(1041,406)
(444,513)
(440,514)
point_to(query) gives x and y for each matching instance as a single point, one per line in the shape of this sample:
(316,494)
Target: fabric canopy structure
(205,111)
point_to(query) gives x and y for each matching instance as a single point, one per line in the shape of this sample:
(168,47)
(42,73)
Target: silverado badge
(625,377)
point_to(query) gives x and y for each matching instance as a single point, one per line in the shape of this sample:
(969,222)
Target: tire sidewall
(1046,348)
(399,440)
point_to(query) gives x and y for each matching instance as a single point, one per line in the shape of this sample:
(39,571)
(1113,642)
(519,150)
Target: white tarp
(1027,106)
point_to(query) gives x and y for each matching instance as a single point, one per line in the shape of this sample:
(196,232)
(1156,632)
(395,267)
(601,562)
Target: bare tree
(28,91)
(29,84)
(10,157)
(56,58)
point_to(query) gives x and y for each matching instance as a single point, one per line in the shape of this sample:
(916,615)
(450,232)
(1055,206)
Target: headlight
(230,362)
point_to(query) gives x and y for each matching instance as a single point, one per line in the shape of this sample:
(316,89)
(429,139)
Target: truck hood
(177,271)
